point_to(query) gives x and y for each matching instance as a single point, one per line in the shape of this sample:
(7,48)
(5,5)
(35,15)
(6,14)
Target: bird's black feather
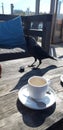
(35,50)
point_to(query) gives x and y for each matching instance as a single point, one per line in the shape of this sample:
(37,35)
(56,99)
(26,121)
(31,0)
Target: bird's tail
(54,58)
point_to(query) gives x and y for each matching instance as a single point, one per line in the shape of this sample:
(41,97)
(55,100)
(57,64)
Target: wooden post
(53,11)
(12,6)
(2,8)
(37,7)
(52,6)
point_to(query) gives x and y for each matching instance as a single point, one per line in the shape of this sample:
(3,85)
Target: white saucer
(45,102)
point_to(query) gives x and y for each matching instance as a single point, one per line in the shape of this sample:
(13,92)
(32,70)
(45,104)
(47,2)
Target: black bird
(35,50)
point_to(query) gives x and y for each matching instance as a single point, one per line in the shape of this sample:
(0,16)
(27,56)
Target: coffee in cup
(37,87)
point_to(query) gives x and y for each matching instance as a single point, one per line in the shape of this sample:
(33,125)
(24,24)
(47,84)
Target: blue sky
(24,4)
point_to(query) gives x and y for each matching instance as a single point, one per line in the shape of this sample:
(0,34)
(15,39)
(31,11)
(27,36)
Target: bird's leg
(38,64)
(32,63)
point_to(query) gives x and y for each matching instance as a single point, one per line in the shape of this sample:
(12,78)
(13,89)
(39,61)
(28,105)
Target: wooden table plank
(12,109)
(13,79)
(13,115)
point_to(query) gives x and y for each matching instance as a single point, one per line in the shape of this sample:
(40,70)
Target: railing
(36,25)
(58,32)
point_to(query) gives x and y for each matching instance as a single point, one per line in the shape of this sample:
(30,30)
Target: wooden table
(13,114)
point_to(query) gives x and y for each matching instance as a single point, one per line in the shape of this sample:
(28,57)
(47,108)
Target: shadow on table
(57,126)
(34,118)
(60,57)
(38,72)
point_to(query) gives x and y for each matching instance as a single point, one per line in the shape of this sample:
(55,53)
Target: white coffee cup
(37,87)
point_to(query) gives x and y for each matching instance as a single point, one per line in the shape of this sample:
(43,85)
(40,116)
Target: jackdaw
(35,50)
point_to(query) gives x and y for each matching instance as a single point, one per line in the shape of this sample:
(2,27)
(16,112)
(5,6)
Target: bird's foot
(31,65)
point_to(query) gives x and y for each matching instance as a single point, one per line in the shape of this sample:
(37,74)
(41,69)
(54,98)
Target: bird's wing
(39,52)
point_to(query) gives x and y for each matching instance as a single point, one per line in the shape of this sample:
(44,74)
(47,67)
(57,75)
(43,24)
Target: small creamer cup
(36,89)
